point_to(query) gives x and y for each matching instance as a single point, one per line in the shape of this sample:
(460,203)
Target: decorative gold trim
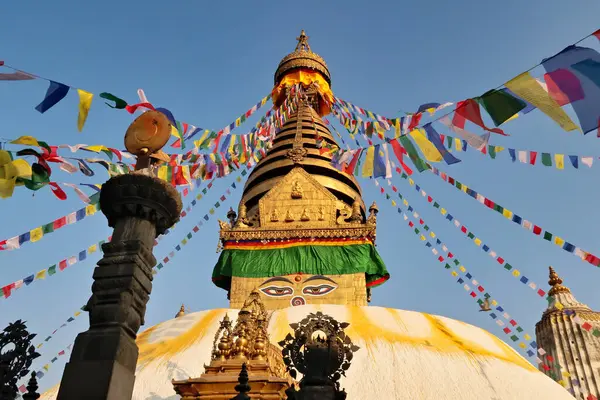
(350,231)
(302,57)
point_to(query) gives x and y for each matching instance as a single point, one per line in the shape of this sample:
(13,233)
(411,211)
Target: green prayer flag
(189,235)
(547,236)
(596,332)
(492,151)
(508,266)
(425,227)
(413,154)
(417,231)
(501,105)
(436,205)
(456,262)
(448,266)
(48,228)
(519,329)
(450,142)
(119,103)
(244,173)
(547,159)
(498,208)
(52,270)
(470,235)
(217,204)
(514,338)
(458,185)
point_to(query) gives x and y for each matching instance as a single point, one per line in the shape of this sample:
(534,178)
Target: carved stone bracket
(140,196)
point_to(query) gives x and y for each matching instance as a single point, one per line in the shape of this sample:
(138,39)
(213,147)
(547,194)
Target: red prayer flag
(597,34)
(546,368)
(196,229)
(410,223)
(394,188)
(440,259)
(382,191)
(414,121)
(463,229)
(62,265)
(532,157)
(586,326)
(57,191)
(399,151)
(513,322)
(183,214)
(469,110)
(450,255)
(550,358)
(592,259)
(480,288)
(429,199)
(591,396)
(6,290)
(61,353)
(537,230)
(500,260)
(473,294)
(541,293)
(133,108)
(507,330)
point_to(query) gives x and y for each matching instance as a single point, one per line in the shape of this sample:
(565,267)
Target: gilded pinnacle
(556,284)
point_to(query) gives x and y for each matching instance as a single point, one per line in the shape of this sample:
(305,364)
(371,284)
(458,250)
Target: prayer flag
(16,76)
(559,159)
(546,159)
(528,88)
(501,105)
(85,102)
(55,93)
(434,137)
(469,110)
(430,152)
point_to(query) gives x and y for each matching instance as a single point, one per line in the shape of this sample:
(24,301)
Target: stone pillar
(104,358)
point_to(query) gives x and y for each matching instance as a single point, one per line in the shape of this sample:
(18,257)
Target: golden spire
(556,282)
(181,311)
(303,42)
(302,58)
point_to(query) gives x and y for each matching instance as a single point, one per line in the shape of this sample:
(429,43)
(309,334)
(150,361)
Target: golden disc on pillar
(149,133)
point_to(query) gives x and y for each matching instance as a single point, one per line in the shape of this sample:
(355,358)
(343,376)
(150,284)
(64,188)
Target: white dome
(403,355)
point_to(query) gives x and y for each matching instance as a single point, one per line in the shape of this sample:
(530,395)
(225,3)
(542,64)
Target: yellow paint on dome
(165,349)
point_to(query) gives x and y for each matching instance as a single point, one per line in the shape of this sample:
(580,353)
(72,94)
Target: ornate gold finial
(556,282)
(373,211)
(356,214)
(181,312)
(242,218)
(302,42)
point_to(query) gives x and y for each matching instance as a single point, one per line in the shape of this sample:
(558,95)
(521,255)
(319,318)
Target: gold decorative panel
(299,289)
(297,201)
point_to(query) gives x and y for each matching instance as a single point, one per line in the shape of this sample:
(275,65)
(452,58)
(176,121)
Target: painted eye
(318,290)
(276,291)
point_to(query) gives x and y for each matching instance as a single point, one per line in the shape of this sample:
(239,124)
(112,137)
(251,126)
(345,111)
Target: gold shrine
(245,342)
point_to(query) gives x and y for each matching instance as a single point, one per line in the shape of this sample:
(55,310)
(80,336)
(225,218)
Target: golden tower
(302,233)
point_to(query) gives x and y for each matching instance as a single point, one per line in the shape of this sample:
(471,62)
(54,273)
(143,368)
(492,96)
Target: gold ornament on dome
(302,57)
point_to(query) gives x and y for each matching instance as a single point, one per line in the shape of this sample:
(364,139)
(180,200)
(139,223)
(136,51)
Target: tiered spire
(561,296)
(556,283)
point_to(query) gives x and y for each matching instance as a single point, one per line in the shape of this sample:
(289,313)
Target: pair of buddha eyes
(280,291)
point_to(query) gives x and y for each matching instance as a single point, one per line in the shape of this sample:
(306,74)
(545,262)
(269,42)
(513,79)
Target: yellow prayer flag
(184,242)
(477,241)
(85,102)
(494,303)
(174,131)
(41,274)
(454,273)
(26,140)
(561,382)
(162,173)
(432,234)
(77,314)
(464,188)
(443,211)
(559,160)
(427,148)
(411,182)
(507,213)
(211,211)
(238,122)
(90,209)
(462,268)
(394,203)
(238,179)
(367,169)
(96,148)
(499,149)
(516,273)
(522,345)
(92,249)
(558,305)
(405,202)
(46,367)
(526,336)
(36,234)
(422,237)
(397,127)
(199,196)
(526,87)
(558,241)
(458,144)
(566,374)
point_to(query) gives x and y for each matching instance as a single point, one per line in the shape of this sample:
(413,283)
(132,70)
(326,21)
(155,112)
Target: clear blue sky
(210,61)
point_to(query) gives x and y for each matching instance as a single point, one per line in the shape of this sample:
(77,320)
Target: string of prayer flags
(227,130)
(578,69)
(82,255)
(478,289)
(64,324)
(40,374)
(36,234)
(471,235)
(530,226)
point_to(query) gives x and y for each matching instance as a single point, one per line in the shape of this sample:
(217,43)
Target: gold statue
(296,190)
(274,215)
(289,217)
(242,219)
(321,213)
(356,214)
(344,215)
(224,225)
(305,216)
(373,211)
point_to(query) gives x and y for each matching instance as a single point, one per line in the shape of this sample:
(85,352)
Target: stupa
(303,242)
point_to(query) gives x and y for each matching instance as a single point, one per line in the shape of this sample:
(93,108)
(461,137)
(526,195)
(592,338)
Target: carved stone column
(104,358)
